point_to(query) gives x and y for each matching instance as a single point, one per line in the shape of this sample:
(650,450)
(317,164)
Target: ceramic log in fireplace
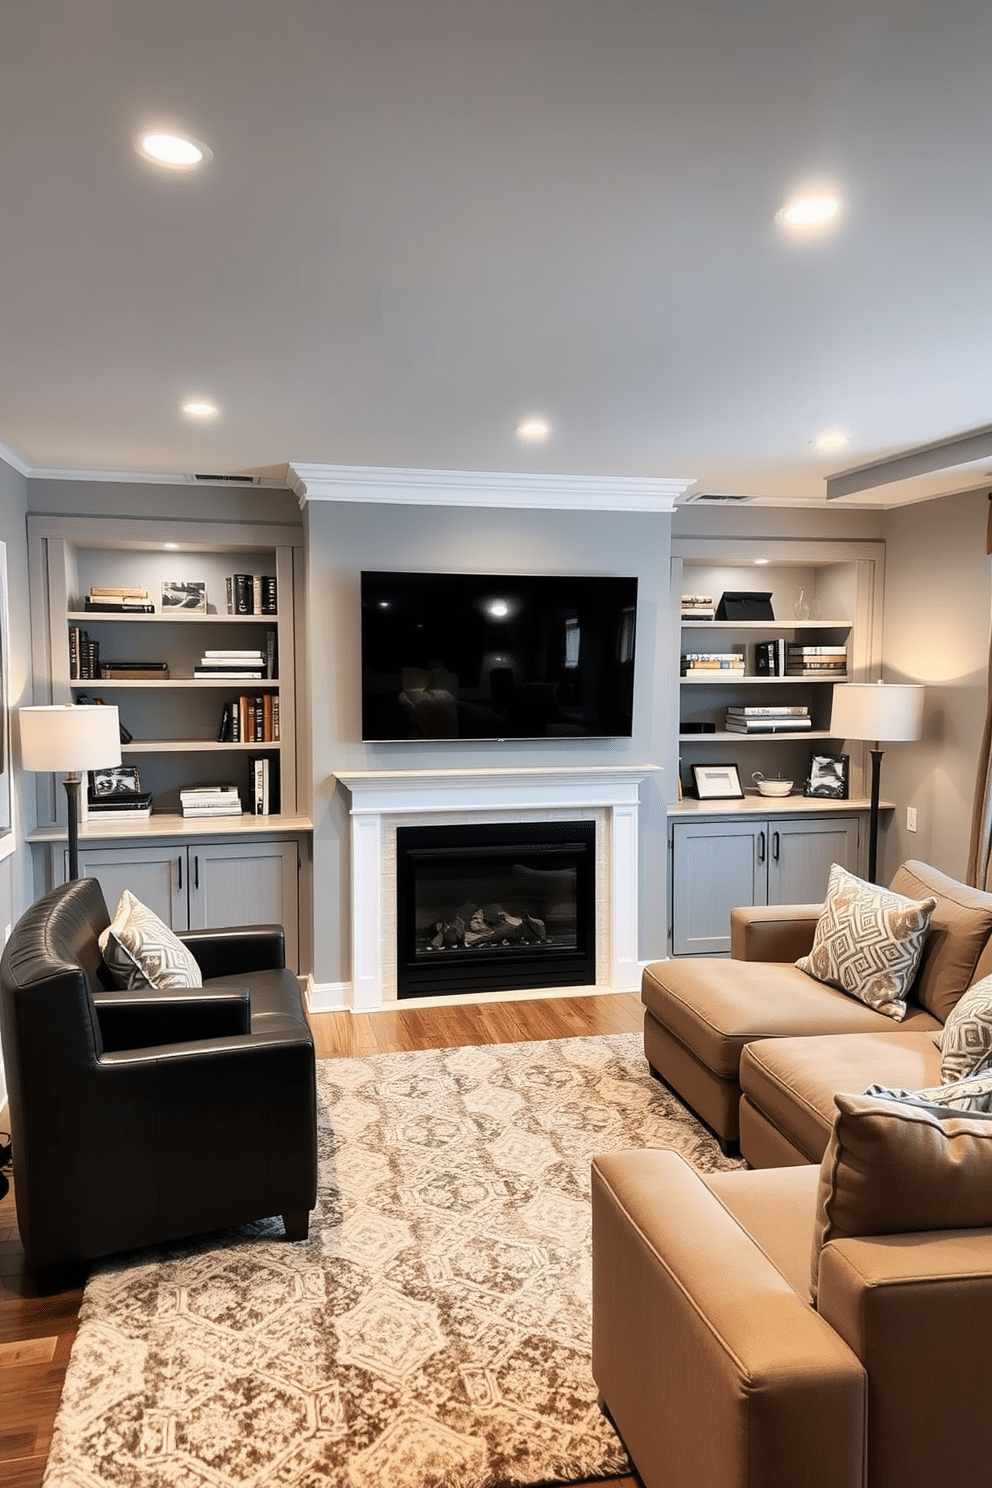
(504,906)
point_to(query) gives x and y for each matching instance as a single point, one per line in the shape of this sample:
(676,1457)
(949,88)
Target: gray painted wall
(344,538)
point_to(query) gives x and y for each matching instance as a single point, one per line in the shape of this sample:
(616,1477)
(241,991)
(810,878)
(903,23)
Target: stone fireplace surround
(382,799)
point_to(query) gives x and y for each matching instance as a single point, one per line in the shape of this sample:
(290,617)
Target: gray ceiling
(425,219)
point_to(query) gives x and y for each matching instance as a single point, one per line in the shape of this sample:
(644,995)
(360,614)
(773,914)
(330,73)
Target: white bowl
(774,787)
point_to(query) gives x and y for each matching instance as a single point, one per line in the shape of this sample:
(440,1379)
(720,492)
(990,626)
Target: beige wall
(937,609)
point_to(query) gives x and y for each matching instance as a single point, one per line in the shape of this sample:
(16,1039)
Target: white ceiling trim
(400,487)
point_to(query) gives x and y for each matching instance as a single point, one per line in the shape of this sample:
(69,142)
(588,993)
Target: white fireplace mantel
(380,798)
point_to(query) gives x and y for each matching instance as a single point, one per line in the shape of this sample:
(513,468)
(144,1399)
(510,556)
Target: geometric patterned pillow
(868,942)
(140,950)
(972,1095)
(966,1042)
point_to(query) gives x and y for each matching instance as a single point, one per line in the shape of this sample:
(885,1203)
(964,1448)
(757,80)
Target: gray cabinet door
(246,883)
(800,854)
(155,874)
(716,865)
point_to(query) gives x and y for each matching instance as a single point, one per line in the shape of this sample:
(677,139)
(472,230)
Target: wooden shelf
(108,617)
(174,824)
(754,804)
(728,736)
(195,746)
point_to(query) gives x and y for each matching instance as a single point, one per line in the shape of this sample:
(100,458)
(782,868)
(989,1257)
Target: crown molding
(14,461)
(398,486)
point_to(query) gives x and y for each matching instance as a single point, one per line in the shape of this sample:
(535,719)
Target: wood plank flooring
(36,1333)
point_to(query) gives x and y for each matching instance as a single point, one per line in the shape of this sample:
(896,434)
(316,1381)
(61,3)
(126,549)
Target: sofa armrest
(712,1367)
(237,949)
(171,1015)
(773,932)
(900,1300)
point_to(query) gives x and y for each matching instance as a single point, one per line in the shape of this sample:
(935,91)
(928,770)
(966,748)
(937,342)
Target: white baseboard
(336,997)
(327,997)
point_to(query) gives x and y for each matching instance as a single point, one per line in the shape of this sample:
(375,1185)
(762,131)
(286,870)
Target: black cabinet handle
(775,846)
(761,847)
(196,870)
(179,864)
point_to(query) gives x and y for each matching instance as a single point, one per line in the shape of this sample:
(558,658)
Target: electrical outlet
(910,818)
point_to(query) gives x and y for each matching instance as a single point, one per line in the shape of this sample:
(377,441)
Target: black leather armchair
(142,1117)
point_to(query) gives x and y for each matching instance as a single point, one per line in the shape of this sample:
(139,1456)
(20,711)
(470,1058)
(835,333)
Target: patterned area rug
(435,1328)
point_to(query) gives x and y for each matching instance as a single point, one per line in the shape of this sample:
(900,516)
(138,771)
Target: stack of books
(826,662)
(263,784)
(210,800)
(251,594)
(219,664)
(709,663)
(84,655)
(120,600)
(785,720)
(250,720)
(698,607)
(770,658)
(121,806)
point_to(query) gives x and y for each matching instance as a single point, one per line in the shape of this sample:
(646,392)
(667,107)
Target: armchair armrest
(773,932)
(170,1015)
(711,1365)
(900,1299)
(237,949)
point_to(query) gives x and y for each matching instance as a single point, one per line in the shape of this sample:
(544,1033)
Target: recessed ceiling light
(759,561)
(533,428)
(808,211)
(196,408)
(171,545)
(172,150)
(831,439)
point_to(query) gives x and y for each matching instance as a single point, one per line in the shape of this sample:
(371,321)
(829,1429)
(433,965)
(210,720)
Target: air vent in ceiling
(226,480)
(711,497)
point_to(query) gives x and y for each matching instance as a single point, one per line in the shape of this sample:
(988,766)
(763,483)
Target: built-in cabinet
(755,850)
(231,870)
(720,864)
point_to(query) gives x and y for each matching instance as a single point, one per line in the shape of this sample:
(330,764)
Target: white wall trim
(327,997)
(14,461)
(412,487)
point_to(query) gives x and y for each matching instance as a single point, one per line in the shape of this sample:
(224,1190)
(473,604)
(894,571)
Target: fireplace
(496,906)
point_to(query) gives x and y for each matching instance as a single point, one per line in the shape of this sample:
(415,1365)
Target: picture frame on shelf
(828,776)
(117,780)
(188,595)
(718,782)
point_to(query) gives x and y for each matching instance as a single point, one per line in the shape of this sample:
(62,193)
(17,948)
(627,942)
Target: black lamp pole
(876,775)
(71,783)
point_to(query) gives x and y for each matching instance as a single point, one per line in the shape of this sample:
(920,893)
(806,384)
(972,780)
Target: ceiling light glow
(831,439)
(533,428)
(197,408)
(173,150)
(808,211)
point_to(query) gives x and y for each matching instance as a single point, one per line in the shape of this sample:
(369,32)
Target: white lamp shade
(881,711)
(69,739)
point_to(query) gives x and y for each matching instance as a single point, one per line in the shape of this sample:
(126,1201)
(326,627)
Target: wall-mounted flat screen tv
(497,656)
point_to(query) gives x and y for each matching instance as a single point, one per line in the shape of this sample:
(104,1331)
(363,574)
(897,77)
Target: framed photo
(118,780)
(184,594)
(718,782)
(828,774)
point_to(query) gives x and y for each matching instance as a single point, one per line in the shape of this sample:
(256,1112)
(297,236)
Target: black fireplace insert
(501,906)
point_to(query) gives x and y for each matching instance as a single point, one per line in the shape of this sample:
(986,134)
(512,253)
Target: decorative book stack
(698,607)
(120,600)
(123,806)
(219,664)
(251,594)
(715,665)
(263,784)
(210,800)
(825,662)
(785,720)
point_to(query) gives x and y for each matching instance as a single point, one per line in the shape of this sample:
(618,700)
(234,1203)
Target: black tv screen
(496,656)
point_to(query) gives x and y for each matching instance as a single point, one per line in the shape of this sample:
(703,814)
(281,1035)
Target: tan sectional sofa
(758,1048)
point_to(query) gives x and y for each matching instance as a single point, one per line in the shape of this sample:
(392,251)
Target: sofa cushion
(792,1082)
(868,941)
(715,1006)
(960,928)
(140,950)
(966,1042)
(892,1168)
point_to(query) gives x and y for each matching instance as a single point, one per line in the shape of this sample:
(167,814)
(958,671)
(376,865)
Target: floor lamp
(889,712)
(70,740)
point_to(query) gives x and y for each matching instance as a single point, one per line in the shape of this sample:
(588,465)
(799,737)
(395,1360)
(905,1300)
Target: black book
(243,594)
(268,594)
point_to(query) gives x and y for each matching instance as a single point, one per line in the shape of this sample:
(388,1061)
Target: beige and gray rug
(433,1332)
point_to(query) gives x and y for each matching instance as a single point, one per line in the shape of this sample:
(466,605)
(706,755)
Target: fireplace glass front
(497,907)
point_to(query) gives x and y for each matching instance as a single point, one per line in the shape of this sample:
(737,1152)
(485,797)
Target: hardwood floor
(36,1333)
